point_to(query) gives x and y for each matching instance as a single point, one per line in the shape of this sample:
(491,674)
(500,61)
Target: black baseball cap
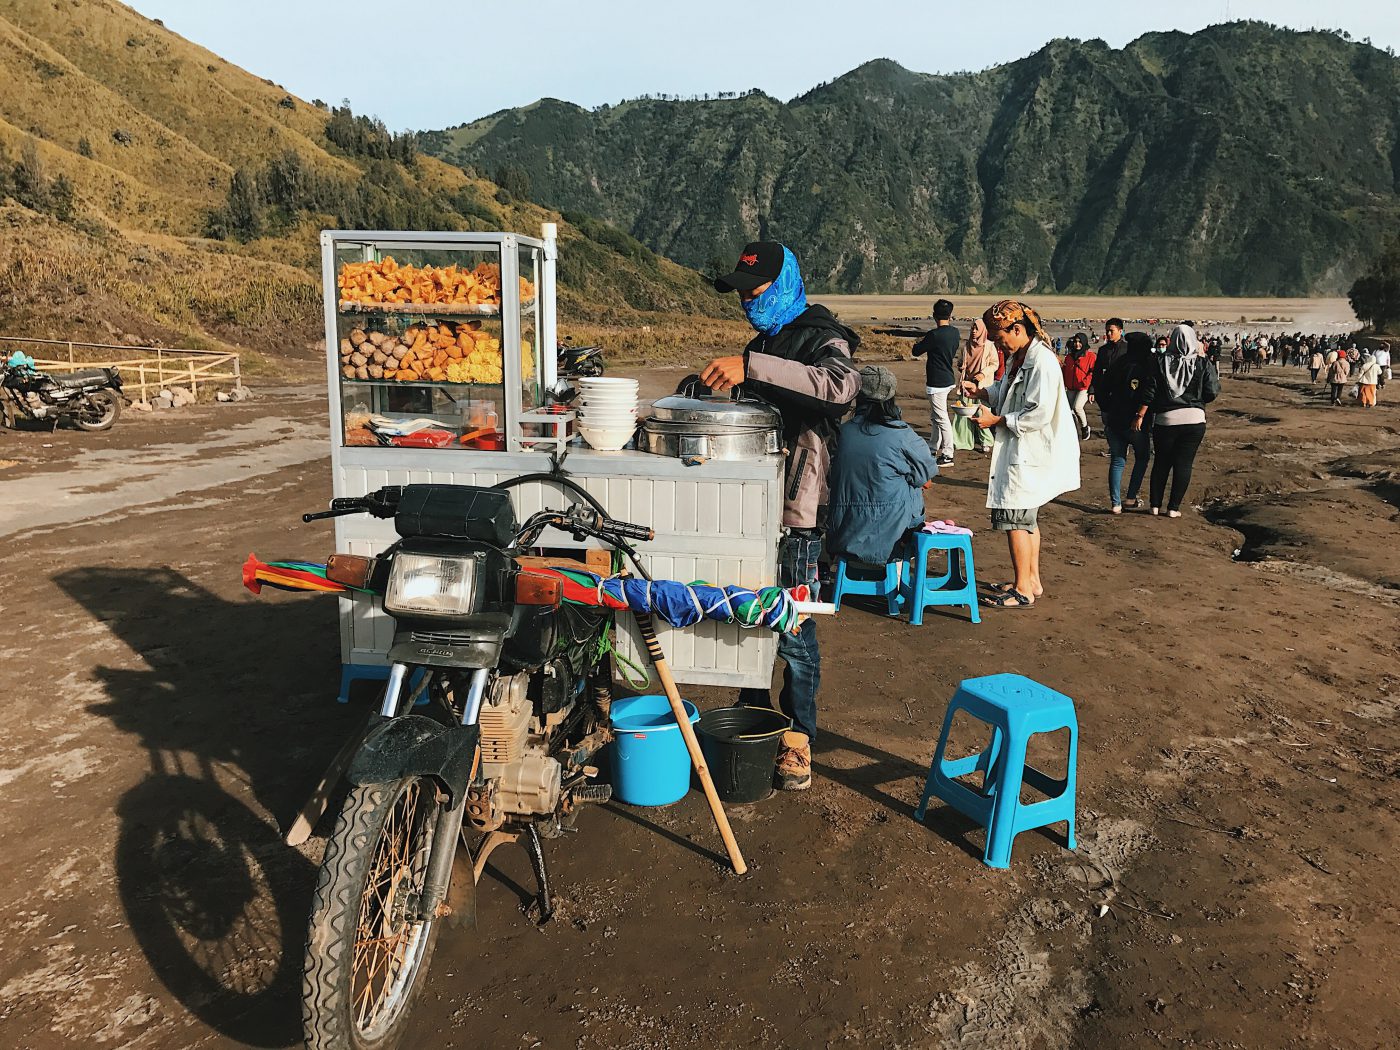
(759,263)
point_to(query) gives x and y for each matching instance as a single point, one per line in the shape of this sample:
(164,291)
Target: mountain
(1239,160)
(151,190)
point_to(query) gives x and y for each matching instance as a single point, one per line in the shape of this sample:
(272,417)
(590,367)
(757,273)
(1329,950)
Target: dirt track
(1237,777)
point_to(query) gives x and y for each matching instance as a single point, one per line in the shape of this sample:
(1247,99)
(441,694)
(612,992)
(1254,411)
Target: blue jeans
(797,564)
(1119,441)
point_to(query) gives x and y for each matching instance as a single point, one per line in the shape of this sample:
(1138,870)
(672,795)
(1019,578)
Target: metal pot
(692,426)
(708,441)
(715,411)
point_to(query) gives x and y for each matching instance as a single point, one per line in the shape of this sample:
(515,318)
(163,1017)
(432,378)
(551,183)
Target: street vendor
(800,363)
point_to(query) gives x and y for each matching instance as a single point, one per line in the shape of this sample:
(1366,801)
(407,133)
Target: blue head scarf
(784,300)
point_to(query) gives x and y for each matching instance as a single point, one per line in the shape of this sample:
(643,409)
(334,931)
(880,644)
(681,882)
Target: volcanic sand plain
(1238,699)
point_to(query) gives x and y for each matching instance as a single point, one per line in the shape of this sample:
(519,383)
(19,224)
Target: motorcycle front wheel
(365,960)
(99,411)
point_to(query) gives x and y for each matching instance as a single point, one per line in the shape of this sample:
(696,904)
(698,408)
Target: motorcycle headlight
(428,585)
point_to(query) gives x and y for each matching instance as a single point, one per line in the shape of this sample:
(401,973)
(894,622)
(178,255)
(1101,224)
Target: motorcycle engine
(514,751)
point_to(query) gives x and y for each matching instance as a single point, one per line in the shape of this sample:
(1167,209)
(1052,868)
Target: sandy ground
(1308,315)
(1233,885)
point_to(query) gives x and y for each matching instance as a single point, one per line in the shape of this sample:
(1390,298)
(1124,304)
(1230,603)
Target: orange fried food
(387,282)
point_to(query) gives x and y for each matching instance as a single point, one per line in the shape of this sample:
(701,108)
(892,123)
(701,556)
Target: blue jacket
(877,484)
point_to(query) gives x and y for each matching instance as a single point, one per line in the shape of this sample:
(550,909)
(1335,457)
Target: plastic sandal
(1012,599)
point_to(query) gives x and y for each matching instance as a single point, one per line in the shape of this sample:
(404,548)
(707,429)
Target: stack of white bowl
(607,411)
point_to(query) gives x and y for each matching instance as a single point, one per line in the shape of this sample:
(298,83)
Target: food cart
(444,345)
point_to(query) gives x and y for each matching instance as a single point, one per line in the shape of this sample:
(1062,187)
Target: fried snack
(440,351)
(386,282)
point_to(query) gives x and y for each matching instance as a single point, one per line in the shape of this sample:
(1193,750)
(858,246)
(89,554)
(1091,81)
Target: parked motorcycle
(91,398)
(518,688)
(580,362)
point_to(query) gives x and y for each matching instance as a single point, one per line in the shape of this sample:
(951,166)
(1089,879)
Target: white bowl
(606,439)
(624,403)
(608,422)
(623,386)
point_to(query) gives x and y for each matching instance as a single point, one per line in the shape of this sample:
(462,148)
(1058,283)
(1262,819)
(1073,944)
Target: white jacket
(1036,455)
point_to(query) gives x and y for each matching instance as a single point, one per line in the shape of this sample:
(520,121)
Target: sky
(426,66)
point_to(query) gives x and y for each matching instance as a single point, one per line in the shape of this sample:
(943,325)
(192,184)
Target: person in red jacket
(1078,370)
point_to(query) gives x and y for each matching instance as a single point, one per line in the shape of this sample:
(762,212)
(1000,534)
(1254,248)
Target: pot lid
(681,408)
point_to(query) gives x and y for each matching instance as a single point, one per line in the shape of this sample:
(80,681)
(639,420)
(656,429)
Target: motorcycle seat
(81,378)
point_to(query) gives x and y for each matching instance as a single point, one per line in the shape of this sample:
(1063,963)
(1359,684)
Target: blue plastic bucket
(650,765)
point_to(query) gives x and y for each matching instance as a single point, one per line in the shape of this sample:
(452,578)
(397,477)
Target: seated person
(877,478)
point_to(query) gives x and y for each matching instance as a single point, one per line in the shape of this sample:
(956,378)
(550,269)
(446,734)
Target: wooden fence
(143,368)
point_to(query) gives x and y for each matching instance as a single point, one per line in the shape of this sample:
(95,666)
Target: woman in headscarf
(1338,370)
(1183,383)
(1036,455)
(977,363)
(877,478)
(1368,374)
(1078,372)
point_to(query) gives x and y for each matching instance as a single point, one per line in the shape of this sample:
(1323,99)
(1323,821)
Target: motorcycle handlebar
(337,513)
(380,503)
(627,530)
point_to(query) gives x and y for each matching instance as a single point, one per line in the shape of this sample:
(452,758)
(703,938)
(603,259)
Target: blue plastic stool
(957,585)
(886,587)
(1015,707)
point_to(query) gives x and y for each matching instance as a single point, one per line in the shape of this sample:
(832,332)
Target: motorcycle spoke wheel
(100,411)
(365,958)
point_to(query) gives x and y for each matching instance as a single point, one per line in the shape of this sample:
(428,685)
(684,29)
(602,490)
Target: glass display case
(437,340)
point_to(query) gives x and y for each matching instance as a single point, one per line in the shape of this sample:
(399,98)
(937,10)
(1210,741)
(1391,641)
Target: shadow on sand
(234,697)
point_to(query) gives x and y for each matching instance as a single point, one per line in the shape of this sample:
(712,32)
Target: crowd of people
(1150,395)
(1336,361)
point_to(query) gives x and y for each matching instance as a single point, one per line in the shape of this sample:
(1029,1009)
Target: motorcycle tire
(374,863)
(108,408)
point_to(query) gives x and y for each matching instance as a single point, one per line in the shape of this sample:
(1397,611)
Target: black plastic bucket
(741,748)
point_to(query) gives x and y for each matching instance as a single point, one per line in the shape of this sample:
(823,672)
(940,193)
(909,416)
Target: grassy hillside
(1240,160)
(148,188)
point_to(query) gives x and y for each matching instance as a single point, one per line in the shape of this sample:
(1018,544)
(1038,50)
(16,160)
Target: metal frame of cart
(719,521)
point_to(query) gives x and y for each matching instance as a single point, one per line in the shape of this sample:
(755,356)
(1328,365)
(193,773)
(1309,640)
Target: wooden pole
(697,759)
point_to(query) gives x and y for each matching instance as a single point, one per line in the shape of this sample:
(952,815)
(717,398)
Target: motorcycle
(91,398)
(580,362)
(518,688)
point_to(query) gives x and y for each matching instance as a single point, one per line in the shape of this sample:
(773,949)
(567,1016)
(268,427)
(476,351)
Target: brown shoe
(794,772)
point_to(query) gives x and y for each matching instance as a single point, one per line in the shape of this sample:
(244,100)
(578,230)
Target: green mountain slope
(150,189)
(1242,159)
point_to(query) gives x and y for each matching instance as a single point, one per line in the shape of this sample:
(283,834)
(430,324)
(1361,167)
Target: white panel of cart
(717,522)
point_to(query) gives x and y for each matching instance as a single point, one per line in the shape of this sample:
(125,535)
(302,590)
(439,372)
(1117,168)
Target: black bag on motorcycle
(459,512)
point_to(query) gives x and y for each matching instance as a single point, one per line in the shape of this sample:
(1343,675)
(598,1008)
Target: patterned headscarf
(783,301)
(1011,311)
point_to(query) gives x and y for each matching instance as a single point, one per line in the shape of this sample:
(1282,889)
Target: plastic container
(741,747)
(650,765)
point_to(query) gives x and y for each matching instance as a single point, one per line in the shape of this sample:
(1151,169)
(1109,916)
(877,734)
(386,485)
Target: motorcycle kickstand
(536,851)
